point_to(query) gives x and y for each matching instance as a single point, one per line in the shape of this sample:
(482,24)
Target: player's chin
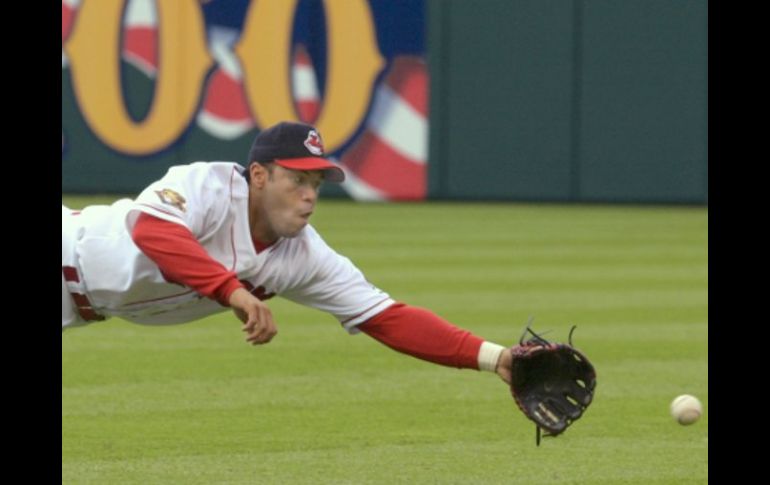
(294,229)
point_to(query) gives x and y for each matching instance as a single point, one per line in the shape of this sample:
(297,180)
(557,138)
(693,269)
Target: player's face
(289,198)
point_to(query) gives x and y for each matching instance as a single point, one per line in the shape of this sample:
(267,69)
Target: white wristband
(489,354)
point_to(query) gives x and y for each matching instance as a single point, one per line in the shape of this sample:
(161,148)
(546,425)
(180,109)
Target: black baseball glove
(552,383)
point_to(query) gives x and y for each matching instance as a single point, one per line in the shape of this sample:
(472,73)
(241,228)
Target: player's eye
(301,179)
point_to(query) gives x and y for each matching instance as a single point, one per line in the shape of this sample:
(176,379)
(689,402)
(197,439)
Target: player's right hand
(256,317)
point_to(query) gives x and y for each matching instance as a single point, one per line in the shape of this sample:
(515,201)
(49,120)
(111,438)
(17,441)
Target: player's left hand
(256,317)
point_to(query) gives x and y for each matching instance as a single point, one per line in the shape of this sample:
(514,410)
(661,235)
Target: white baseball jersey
(210,199)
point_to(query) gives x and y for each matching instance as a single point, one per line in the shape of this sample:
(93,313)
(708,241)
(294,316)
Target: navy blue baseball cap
(296,146)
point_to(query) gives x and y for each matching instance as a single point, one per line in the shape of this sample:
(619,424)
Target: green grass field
(195,404)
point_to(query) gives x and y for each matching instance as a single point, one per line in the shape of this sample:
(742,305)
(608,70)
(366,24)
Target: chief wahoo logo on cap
(313,143)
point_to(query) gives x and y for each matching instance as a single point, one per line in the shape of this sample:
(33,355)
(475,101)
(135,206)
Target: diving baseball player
(213,236)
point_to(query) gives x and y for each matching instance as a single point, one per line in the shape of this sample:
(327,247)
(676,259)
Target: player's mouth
(306,215)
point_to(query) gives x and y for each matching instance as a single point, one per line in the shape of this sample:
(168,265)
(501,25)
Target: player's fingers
(264,335)
(270,328)
(269,332)
(265,331)
(255,333)
(248,324)
(253,329)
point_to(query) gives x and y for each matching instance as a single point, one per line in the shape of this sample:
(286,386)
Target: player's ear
(258,174)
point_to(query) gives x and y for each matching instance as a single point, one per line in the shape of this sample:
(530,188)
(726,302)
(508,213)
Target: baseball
(686,409)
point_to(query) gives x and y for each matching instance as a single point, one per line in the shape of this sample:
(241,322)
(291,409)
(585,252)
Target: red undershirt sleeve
(182,259)
(423,334)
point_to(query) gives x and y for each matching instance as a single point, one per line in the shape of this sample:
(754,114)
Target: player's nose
(309,194)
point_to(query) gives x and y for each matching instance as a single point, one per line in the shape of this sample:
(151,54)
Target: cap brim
(332,172)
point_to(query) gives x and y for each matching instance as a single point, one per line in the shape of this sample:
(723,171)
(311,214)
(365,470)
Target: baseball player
(209,236)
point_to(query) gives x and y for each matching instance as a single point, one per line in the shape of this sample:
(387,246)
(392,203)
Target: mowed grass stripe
(195,404)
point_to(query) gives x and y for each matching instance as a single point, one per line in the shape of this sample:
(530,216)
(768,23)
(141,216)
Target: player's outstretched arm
(423,334)
(256,317)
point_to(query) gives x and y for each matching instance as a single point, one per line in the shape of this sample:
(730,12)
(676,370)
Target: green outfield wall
(569,100)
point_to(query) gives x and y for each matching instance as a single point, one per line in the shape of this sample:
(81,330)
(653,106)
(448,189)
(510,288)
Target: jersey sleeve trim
(161,214)
(352,323)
